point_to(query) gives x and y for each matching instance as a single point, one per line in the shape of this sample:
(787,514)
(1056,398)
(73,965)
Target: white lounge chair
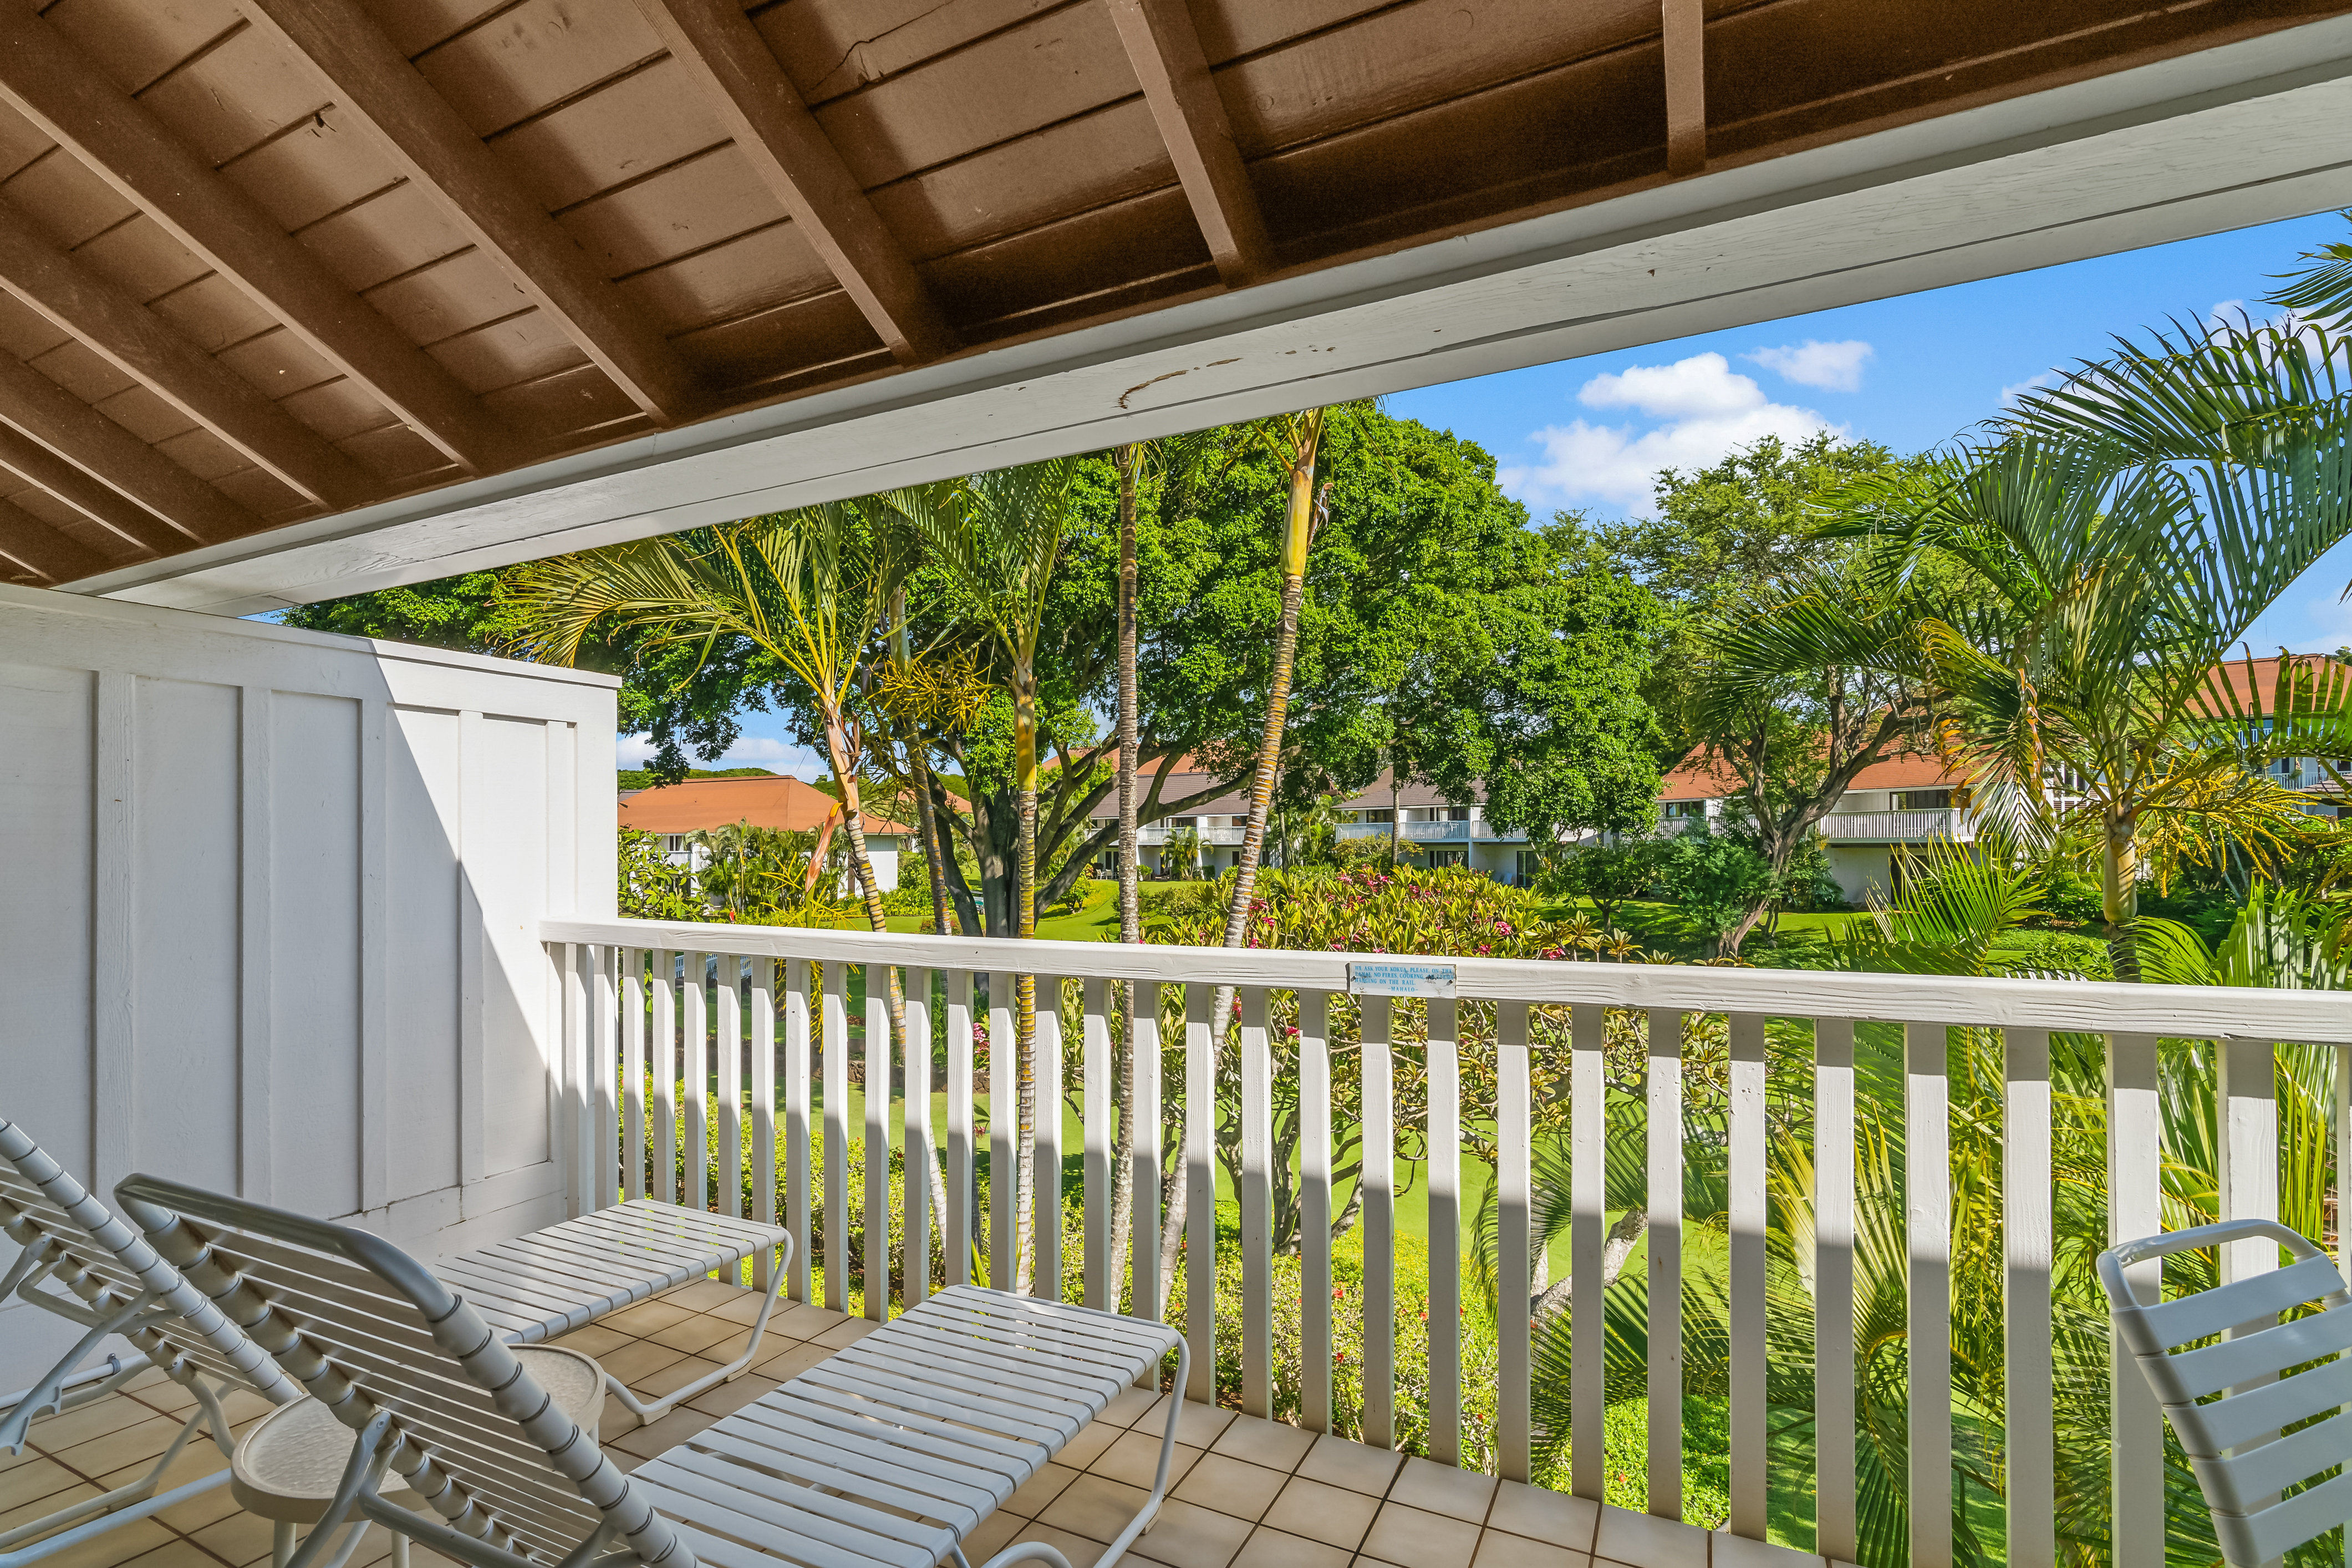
(891,1452)
(83,1264)
(2232,1441)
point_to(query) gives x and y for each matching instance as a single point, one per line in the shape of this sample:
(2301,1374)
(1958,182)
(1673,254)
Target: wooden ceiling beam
(734,70)
(427,140)
(188,511)
(1684,26)
(142,345)
(37,465)
(1165,50)
(54,555)
(48,81)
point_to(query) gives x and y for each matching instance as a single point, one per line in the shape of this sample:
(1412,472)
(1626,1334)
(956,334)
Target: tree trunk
(1396,815)
(2119,889)
(1130,460)
(1025,1219)
(1615,1248)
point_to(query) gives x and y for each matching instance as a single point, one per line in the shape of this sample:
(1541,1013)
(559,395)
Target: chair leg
(399,1550)
(649,1413)
(281,1544)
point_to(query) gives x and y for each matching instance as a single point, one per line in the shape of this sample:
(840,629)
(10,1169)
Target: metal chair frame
(2230,1399)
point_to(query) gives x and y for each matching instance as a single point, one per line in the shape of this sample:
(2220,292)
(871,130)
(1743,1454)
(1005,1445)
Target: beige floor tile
(1442,1489)
(1637,1537)
(805,1320)
(177,1554)
(1231,1486)
(1425,1540)
(732,1346)
(638,1360)
(646,1316)
(242,1405)
(1375,1562)
(196,1461)
(1134,1458)
(143,1442)
(1082,1552)
(743,1308)
(614,1419)
(1200,1425)
(787,1364)
(1274,1444)
(1093,1441)
(153,1377)
(1336,1461)
(704,1295)
(846,1332)
(992,1536)
(1541,1514)
(240,1537)
(55,1433)
(671,1378)
(1272,1549)
(1093,1506)
(667,1432)
(163,1395)
(1497,1549)
(32,1481)
(25,1512)
(691,1334)
(1034,1495)
(1188,1537)
(1729,1550)
(596,1341)
(729,1397)
(1333,1515)
(1131,1403)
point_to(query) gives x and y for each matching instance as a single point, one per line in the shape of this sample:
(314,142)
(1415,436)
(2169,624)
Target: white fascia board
(2246,133)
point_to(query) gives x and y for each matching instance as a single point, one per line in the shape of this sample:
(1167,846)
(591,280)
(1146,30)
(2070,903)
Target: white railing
(1540,1035)
(1161,833)
(1899,826)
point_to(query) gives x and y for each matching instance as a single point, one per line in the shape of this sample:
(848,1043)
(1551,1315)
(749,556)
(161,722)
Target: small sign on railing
(1400,978)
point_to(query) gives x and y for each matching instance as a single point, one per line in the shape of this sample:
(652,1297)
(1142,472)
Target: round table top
(287,1466)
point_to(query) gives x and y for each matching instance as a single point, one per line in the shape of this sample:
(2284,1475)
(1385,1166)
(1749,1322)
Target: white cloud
(634,750)
(1832,367)
(748,750)
(1710,411)
(2011,393)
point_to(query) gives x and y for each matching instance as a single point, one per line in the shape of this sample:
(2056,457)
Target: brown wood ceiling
(262,260)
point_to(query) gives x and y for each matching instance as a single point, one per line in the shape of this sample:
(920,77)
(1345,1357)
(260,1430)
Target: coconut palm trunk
(2119,889)
(1026,1219)
(1130,461)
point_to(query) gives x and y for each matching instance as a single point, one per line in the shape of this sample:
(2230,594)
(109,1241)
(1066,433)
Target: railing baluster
(1200,1194)
(1514,1195)
(1315,1209)
(2343,1187)
(1378,1183)
(575,1045)
(2135,1209)
(1048,1136)
(876,1063)
(835,1067)
(1444,1070)
(1747,1214)
(1664,1239)
(696,1014)
(633,1072)
(1257,1195)
(915,1280)
(1834,1363)
(727,1041)
(797,1124)
(763,1113)
(956,1232)
(663,1055)
(1099,1288)
(1928,1321)
(2028,1395)
(2248,1147)
(603,1067)
(1003,1131)
(1588,1091)
(1143,1080)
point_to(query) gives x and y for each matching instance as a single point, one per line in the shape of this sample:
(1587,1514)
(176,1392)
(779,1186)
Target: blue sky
(1911,371)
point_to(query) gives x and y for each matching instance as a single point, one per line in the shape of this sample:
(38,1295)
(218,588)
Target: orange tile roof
(700,804)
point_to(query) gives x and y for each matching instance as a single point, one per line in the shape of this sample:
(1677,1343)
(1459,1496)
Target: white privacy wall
(269,915)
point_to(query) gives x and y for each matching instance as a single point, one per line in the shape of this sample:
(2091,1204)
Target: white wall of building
(269,914)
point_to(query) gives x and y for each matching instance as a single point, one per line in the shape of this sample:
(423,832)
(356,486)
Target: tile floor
(1246,1493)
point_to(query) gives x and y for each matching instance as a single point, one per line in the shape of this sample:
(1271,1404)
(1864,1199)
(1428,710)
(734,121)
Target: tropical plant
(651,888)
(1607,875)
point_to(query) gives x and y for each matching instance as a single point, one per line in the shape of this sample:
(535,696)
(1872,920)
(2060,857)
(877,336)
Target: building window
(1530,866)
(1922,799)
(1682,809)
(1457,813)
(1381,815)
(1449,858)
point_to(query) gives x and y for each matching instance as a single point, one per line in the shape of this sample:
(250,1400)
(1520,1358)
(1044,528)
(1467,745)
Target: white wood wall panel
(269,920)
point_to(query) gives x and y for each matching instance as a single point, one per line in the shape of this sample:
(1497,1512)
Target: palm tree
(2117,542)
(999,535)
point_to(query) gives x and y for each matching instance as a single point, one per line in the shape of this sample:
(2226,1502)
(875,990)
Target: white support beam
(2247,133)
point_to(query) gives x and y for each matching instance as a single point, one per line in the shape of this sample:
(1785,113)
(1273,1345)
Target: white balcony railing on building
(1899,826)
(775,1025)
